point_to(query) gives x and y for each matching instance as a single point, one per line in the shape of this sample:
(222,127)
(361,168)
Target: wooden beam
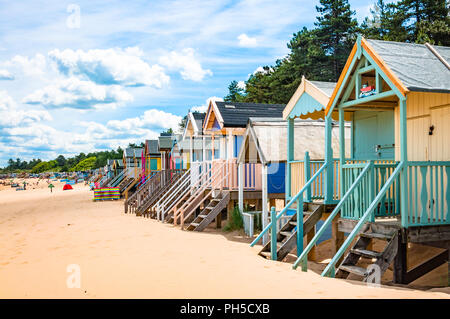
(370,108)
(427,266)
(368,99)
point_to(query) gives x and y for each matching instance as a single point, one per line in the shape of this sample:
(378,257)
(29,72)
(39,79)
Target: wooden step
(366,253)
(293,223)
(286,233)
(354,270)
(376,236)
(194,224)
(202,216)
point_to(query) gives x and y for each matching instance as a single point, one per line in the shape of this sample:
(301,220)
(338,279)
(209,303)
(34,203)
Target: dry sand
(122,256)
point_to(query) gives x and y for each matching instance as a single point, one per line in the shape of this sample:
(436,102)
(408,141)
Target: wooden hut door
(374,135)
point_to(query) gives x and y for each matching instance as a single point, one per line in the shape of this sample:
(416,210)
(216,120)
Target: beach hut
(394,185)
(165,143)
(265,143)
(152,157)
(193,133)
(214,178)
(306,150)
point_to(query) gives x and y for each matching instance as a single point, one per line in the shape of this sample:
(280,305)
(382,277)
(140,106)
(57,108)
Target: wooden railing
(301,172)
(366,191)
(428,194)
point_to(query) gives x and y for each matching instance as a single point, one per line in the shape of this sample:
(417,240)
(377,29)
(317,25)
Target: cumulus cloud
(111,66)
(241,85)
(30,66)
(204,108)
(6,75)
(246,41)
(186,63)
(75,93)
(11,116)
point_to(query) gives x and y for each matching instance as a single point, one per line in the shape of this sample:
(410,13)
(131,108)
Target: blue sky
(92,75)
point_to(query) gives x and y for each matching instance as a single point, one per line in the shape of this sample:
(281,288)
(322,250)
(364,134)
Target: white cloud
(241,84)
(186,63)
(246,41)
(6,75)
(78,94)
(34,66)
(204,108)
(11,116)
(110,66)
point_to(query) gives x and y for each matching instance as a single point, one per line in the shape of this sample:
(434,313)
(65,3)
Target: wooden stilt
(400,261)
(336,235)
(309,236)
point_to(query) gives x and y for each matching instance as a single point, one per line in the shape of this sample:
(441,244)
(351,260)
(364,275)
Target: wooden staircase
(210,212)
(152,197)
(361,250)
(287,235)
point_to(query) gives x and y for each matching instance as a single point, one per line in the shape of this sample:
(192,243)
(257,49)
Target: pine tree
(336,32)
(425,20)
(235,93)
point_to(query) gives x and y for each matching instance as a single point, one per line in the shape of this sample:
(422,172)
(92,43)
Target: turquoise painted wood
(371,129)
(307,175)
(428,195)
(290,156)
(273,234)
(330,268)
(306,104)
(303,258)
(299,225)
(288,205)
(328,183)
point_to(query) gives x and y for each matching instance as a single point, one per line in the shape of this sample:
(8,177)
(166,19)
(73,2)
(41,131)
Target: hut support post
(341,149)
(241,187)
(265,213)
(307,175)
(290,156)
(328,180)
(403,158)
(191,155)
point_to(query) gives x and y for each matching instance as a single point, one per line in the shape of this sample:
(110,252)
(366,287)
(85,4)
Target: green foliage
(44,166)
(235,93)
(85,165)
(235,221)
(320,53)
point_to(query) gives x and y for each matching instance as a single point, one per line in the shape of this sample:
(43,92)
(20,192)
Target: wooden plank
(426,266)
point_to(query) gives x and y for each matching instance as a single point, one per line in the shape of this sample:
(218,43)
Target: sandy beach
(124,256)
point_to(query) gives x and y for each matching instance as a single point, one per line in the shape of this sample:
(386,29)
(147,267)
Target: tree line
(79,162)
(320,53)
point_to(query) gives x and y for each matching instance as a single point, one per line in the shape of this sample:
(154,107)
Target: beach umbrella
(67,187)
(51,187)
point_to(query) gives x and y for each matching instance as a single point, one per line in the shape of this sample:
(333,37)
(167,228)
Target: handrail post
(299,226)
(307,169)
(273,235)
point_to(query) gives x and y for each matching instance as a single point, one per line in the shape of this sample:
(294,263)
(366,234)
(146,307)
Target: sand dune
(122,256)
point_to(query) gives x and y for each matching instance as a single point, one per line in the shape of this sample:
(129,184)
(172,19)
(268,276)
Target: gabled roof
(265,140)
(311,97)
(165,142)
(133,152)
(408,66)
(231,114)
(418,66)
(196,120)
(151,147)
